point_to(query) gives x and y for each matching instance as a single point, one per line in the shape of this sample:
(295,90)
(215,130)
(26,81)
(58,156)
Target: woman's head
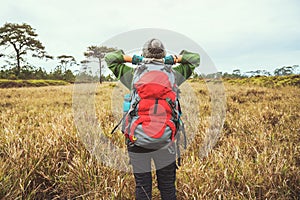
(154,49)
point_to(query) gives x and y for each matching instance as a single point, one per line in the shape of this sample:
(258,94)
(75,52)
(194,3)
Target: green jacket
(124,73)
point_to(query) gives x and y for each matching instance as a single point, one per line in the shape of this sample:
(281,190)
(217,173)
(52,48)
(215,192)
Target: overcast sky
(243,34)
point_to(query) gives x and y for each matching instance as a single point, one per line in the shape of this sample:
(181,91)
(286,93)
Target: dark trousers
(165,164)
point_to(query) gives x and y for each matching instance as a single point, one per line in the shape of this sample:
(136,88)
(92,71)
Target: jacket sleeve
(188,63)
(115,63)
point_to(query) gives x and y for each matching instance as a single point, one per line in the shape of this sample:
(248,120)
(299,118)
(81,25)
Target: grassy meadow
(257,156)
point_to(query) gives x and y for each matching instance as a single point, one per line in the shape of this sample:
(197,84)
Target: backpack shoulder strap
(138,71)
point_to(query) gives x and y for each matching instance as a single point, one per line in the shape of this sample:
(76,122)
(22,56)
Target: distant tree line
(281,71)
(60,72)
(22,40)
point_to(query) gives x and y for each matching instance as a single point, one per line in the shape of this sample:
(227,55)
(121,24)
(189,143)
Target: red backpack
(153,118)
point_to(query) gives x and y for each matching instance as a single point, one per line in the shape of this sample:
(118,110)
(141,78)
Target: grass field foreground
(257,157)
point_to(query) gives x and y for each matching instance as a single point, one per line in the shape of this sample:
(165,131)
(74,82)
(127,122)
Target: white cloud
(234,33)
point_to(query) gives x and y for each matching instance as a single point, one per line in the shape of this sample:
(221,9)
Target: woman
(165,158)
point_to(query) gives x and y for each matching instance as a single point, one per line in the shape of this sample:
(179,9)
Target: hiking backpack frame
(153,119)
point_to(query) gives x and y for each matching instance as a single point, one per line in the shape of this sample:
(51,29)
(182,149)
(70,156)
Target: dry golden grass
(257,157)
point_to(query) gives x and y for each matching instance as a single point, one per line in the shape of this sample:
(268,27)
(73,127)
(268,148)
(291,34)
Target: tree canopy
(22,38)
(98,52)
